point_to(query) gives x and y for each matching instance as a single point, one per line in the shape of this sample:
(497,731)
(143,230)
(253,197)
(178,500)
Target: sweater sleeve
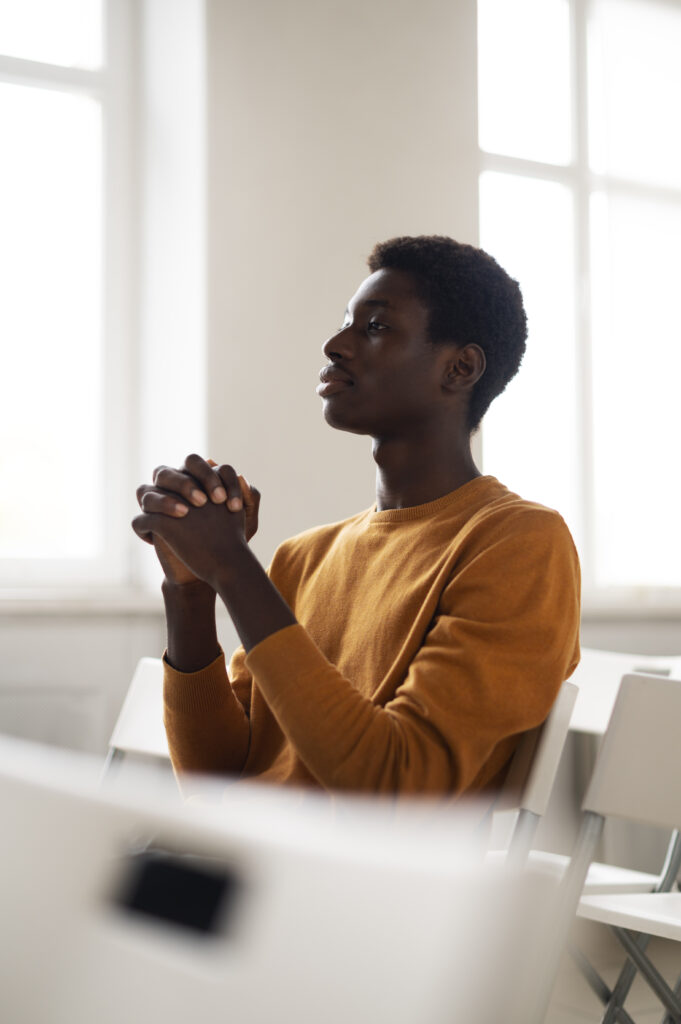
(504,638)
(206,716)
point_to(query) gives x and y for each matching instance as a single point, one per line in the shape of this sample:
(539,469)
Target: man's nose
(339,345)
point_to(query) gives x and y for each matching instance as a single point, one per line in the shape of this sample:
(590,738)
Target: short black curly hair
(472,300)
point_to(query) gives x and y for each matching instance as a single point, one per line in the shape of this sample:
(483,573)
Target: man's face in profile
(384,374)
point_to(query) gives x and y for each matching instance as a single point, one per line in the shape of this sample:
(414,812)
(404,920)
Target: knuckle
(187,487)
(163,479)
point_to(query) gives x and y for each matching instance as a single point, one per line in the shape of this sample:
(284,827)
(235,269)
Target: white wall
(64,671)
(332,126)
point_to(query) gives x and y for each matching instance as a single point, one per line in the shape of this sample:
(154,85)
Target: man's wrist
(253,602)
(227,576)
(190,616)
(187,593)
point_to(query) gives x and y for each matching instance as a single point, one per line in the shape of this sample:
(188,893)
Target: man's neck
(410,472)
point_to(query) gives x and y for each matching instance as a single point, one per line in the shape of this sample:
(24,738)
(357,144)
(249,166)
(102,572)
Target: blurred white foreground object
(265,905)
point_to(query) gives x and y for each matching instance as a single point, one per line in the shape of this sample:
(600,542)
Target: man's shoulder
(510,544)
(505,513)
(507,505)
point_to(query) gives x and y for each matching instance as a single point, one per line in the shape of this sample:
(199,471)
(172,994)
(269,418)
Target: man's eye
(376,325)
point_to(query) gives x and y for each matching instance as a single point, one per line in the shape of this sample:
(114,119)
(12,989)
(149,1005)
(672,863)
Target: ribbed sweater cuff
(196,692)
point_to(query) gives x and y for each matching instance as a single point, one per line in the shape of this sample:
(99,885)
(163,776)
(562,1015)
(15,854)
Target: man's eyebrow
(373,302)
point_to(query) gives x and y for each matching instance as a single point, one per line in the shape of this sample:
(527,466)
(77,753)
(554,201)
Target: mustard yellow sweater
(428,638)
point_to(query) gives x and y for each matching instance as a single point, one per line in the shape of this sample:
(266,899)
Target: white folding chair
(531,776)
(139,729)
(598,677)
(637,777)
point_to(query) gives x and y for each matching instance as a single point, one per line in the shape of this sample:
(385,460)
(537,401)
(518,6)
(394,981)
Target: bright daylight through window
(53,211)
(580,200)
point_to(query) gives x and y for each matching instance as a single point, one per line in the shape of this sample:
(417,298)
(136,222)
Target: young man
(405,649)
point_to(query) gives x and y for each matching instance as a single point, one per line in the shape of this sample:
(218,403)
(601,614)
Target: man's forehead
(387,288)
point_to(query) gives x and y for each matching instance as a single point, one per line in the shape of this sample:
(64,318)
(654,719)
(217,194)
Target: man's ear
(464,368)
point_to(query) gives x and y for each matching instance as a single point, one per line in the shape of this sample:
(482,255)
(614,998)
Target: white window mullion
(121,398)
(579,11)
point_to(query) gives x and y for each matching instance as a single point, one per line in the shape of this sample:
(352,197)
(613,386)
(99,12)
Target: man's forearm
(190,617)
(256,607)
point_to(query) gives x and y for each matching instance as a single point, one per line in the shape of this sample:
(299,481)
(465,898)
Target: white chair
(637,777)
(598,677)
(139,729)
(532,774)
(596,680)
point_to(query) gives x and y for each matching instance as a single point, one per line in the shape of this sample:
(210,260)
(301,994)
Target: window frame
(583,182)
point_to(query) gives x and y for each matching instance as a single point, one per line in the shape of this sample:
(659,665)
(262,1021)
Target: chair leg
(611,999)
(111,764)
(590,974)
(672,864)
(662,990)
(668,1019)
(621,987)
(521,841)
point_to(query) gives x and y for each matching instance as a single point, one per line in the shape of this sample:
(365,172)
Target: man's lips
(333,379)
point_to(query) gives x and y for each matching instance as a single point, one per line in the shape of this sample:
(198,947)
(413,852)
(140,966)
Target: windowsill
(137,601)
(662,604)
(628,612)
(81,601)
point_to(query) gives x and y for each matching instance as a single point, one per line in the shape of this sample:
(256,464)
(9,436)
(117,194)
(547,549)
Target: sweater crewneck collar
(469,492)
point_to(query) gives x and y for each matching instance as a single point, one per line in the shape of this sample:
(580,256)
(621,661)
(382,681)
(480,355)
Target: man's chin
(336,419)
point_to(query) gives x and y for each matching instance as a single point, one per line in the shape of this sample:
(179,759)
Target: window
(580,200)
(64,419)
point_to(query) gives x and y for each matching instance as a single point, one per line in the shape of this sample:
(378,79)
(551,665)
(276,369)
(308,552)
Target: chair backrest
(638,770)
(532,775)
(139,728)
(533,769)
(598,677)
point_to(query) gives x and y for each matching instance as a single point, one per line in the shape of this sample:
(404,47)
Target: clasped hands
(197,517)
